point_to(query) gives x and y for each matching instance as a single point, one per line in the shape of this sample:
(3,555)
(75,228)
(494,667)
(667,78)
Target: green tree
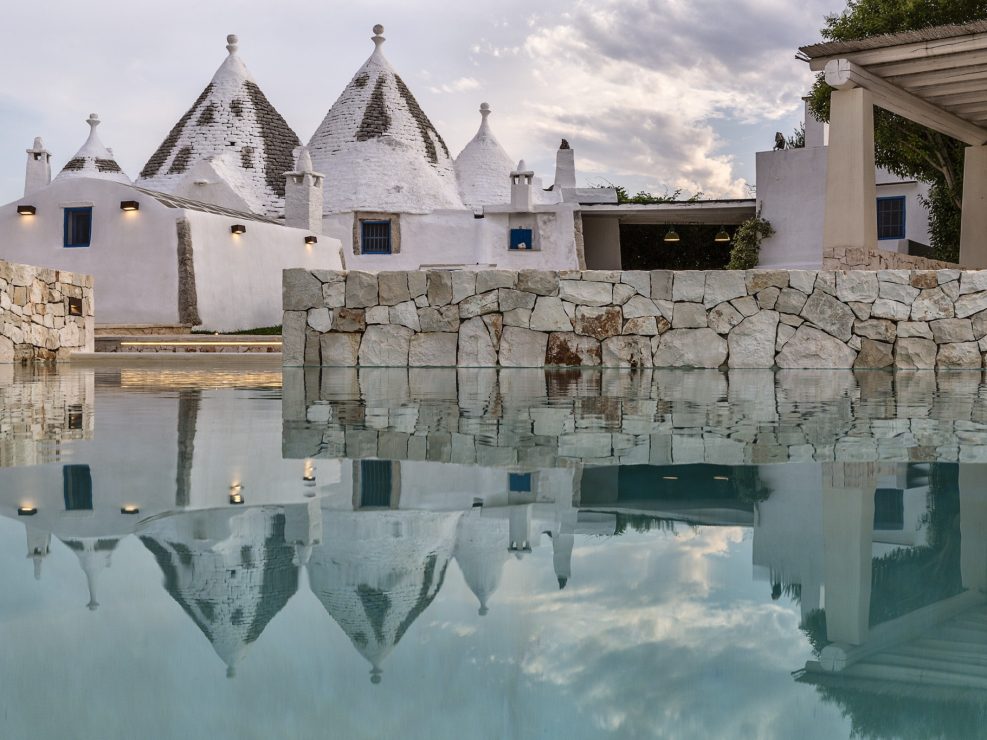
(903,147)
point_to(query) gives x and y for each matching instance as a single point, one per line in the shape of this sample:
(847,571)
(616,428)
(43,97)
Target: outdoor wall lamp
(130,509)
(236,495)
(238,229)
(129,205)
(671,235)
(26,510)
(722,236)
(311,240)
(23,210)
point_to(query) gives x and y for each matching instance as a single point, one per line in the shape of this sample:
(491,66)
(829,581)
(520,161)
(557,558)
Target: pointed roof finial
(93,121)
(232,43)
(378,39)
(376,674)
(484,110)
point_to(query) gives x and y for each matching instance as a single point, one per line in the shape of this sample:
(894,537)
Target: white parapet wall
(739,319)
(45,314)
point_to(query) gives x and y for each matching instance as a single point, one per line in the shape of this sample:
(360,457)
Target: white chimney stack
(565,167)
(303,194)
(38,173)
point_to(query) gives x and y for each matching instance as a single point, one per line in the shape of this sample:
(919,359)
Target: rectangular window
(375,237)
(519,482)
(889,509)
(891,217)
(78,226)
(77,487)
(375,484)
(522,239)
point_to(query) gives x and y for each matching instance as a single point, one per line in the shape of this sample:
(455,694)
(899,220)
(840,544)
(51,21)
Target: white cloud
(463,84)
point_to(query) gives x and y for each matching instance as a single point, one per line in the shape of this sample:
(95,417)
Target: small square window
(78,227)
(75,417)
(891,218)
(519,482)
(522,239)
(375,237)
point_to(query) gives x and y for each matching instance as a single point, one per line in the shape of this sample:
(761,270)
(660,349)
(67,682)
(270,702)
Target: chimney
(38,173)
(565,167)
(522,198)
(303,194)
(815,130)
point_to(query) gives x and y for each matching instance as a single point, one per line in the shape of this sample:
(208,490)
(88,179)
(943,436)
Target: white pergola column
(848,534)
(851,192)
(973,224)
(973,526)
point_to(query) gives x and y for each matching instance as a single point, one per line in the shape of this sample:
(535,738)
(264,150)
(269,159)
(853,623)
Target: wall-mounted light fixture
(129,205)
(309,475)
(722,237)
(238,229)
(26,510)
(311,240)
(130,509)
(671,236)
(24,210)
(236,494)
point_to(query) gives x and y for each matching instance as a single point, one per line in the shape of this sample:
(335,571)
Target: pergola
(936,77)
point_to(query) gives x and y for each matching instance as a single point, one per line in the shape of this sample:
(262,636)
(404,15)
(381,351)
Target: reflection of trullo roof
(378,149)
(94,556)
(483,168)
(234,127)
(375,573)
(93,159)
(212,567)
(481,550)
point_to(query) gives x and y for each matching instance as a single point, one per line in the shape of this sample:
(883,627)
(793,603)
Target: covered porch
(936,77)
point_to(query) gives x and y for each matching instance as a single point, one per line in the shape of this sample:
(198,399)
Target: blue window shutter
(522,239)
(78,227)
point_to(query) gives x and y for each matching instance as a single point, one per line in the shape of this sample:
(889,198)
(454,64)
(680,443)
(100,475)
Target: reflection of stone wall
(44,314)
(40,410)
(527,418)
(753,319)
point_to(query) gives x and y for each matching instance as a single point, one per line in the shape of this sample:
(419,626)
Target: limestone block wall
(532,318)
(45,314)
(854,258)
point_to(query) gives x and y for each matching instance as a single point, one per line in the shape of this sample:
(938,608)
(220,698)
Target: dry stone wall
(45,314)
(855,258)
(916,319)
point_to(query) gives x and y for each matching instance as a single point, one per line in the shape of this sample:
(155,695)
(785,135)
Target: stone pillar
(851,193)
(973,225)
(848,532)
(973,525)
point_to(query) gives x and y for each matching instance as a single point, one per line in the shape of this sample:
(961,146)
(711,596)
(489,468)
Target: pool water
(229,553)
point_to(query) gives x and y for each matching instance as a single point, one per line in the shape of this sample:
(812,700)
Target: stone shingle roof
(483,168)
(379,150)
(93,159)
(231,120)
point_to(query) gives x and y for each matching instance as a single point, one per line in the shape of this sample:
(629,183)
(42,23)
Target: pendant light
(671,236)
(722,237)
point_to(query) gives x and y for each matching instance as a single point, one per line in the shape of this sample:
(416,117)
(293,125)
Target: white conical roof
(230,572)
(481,551)
(377,571)
(93,159)
(483,168)
(378,149)
(231,120)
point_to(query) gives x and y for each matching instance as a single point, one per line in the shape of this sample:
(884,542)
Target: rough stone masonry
(45,314)
(531,318)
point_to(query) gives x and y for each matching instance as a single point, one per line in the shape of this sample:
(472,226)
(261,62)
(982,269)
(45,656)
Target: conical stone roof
(378,149)
(93,159)
(481,551)
(483,168)
(233,121)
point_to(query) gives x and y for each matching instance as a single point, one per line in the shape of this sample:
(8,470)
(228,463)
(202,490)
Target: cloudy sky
(652,94)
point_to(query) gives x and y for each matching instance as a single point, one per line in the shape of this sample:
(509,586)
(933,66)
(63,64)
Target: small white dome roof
(483,168)
(93,159)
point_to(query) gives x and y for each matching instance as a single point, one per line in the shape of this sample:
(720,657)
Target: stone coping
(536,418)
(918,319)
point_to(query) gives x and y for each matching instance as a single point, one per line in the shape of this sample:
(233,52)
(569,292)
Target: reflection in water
(882,564)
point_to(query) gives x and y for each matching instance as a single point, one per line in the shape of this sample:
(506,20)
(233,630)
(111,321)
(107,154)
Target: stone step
(189,343)
(135,330)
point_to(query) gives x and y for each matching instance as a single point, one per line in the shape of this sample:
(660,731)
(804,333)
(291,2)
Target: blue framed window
(519,482)
(889,509)
(522,239)
(375,237)
(77,488)
(891,217)
(375,484)
(78,227)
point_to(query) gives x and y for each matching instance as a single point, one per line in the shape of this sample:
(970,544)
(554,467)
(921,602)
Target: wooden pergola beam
(843,74)
(906,52)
